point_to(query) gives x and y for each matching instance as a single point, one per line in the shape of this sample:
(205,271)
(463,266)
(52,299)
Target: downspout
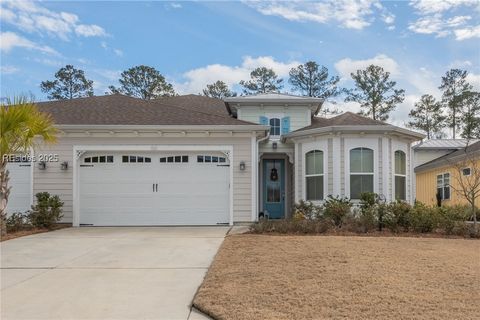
(256,172)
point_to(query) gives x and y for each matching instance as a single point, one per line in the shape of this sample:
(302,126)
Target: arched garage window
(400,175)
(361,172)
(314,175)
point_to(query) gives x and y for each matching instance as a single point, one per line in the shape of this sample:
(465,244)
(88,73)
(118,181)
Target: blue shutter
(285,125)
(264,120)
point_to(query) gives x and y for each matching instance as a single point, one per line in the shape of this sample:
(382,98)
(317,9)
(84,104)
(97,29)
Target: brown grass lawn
(328,277)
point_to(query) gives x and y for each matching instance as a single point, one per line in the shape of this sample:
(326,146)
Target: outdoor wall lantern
(64,165)
(242,166)
(274,145)
(42,165)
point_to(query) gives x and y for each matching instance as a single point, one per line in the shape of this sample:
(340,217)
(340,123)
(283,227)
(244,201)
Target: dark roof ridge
(90,97)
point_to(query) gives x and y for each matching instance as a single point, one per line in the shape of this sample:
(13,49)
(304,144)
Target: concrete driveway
(106,273)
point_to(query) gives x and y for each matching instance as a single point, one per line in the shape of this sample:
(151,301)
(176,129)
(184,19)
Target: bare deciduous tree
(467,177)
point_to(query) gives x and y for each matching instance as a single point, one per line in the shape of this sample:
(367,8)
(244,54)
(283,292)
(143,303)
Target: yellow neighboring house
(445,174)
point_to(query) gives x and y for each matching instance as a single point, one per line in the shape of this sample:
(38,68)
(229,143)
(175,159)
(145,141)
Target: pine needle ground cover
(331,277)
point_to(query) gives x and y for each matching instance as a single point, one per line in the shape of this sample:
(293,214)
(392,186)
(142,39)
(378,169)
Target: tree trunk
(474,212)
(4,193)
(454,121)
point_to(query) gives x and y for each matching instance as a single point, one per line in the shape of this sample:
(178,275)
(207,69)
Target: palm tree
(22,127)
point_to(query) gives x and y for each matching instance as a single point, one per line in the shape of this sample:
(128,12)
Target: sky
(196,43)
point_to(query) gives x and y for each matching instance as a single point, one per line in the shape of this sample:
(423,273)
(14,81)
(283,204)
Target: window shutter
(264,120)
(285,125)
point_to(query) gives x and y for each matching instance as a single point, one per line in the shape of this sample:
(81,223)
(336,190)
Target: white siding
(424,156)
(339,169)
(60,182)
(300,117)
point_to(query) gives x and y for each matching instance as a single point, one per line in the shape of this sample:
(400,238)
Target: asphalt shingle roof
(117,109)
(344,119)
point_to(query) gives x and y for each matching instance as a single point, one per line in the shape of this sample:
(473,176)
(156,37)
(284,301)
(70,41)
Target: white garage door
(20,198)
(154,189)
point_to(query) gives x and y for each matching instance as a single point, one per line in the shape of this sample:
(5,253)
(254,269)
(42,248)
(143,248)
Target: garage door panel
(154,193)
(20,182)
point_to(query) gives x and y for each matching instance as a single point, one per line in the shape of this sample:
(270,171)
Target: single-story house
(194,160)
(443,175)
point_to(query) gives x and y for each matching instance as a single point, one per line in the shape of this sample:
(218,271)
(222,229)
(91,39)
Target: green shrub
(450,217)
(336,209)
(368,200)
(398,216)
(306,210)
(17,221)
(47,211)
(424,218)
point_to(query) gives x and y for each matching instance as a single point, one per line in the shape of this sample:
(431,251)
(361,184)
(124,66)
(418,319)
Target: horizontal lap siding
(299,116)
(60,183)
(427,186)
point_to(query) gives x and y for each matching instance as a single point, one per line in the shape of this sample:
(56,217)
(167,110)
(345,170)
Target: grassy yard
(328,277)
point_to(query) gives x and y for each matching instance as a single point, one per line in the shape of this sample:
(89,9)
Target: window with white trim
(98,159)
(211,159)
(314,175)
(443,186)
(136,159)
(400,175)
(361,172)
(275,127)
(174,159)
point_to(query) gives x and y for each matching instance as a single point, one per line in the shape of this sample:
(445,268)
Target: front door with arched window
(274,188)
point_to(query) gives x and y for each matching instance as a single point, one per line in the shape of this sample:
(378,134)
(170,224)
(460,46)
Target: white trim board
(79,148)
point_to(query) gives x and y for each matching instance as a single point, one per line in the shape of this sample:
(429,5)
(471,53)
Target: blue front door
(274,188)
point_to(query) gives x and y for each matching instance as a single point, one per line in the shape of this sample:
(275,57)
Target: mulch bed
(23,233)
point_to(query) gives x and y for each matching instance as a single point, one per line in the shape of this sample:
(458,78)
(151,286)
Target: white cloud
(50,62)
(90,30)
(467,33)
(436,18)
(10,40)
(388,18)
(460,64)
(346,66)
(30,17)
(348,13)
(175,5)
(118,52)
(197,79)
(8,69)
(474,80)
(439,6)
(399,117)
(424,80)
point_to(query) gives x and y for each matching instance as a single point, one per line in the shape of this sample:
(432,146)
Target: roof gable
(451,157)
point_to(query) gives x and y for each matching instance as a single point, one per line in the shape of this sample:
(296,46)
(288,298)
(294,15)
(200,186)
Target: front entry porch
(275,185)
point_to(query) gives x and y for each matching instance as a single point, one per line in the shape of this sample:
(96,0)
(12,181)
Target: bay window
(400,175)
(314,175)
(361,172)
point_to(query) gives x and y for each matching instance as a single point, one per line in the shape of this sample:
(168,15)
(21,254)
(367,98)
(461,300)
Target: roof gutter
(252,127)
